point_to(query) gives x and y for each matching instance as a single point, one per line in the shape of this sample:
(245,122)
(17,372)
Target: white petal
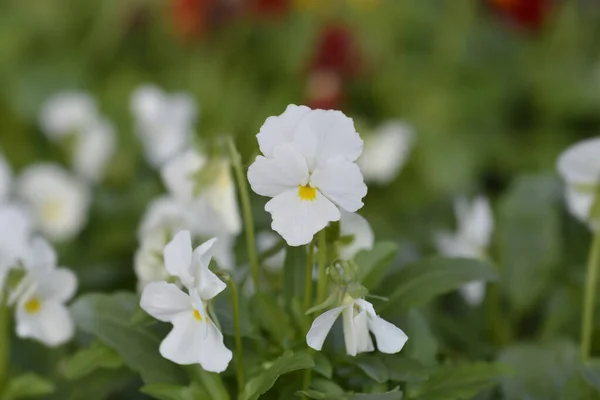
(148,261)
(15,230)
(166,214)
(52,324)
(94,148)
(473,292)
(178,257)
(323,135)
(352,224)
(178,174)
(280,129)
(214,356)
(350,338)
(298,220)
(579,203)
(223,252)
(183,344)
(41,255)
(390,339)
(222,197)
(363,339)
(341,182)
(321,326)
(273,176)
(59,284)
(476,222)
(580,163)
(453,245)
(207,283)
(164,301)
(66,112)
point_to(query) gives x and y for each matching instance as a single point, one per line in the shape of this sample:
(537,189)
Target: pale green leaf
(164,391)
(373,264)
(87,360)
(28,386)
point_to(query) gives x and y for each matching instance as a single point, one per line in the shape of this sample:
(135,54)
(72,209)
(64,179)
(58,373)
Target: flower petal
(183,344)
(390,339)
(51,325)
(321,326)
(178,257)
(214,357)
(280,129)
(41,255)
(221,195)
(298,220)
(177,174)
(352,224)
(363,339)
(349,330)
(475,221)
(59,284)
(341,182)
(164,301)
(473,292)
(207,283)
(580,163)
(579,203)
(273,176)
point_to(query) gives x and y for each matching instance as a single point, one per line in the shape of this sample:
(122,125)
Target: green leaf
(394,394)
(87,360)
(271,317)
(374,367)
(315,394)
(373,264)
(404,369)
(458,382)
(591,372)
(322,365)
(294,269)
(422,281)
(108,317)
(423,345)
(27,386)
(265,380)
(164,391)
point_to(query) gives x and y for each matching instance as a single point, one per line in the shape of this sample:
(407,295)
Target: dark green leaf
(294,273)
(322,365)
(373,264)
(591,372)
(163,391)
(422,345)
(404,369)
(394,394)
(374,367)
(87,360)
(271,317)
(27,386)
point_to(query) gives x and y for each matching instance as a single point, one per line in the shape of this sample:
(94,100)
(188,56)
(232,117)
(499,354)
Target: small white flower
(579,166)
(5,179)
(475,227)
(66,113)
(15,231)
(386,151)
(148,262)
(164,123)
(309,171)
(357,229)
(194,339)
(359,319)
(58,200)
(94,146)
(40,297)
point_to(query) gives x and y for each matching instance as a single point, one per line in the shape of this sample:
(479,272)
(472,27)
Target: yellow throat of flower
(52,210)
(307,193)
(33,305)
(197,315)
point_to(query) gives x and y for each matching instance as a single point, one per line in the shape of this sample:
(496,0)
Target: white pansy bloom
(94,147)
(166,214)
(5,178)
(359,318)
(579,166)
(194,339)
(308,169)
(15,231)
(471,239)
(59,201)
(357,229)
(164,122)
(41,312)
(385,152)
(66,113)
(148,261)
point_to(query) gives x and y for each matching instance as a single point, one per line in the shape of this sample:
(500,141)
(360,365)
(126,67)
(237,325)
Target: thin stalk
(4,341)
(306,380)
(236,161)
(308,276)
(590,298)
(322,262)
(239,357)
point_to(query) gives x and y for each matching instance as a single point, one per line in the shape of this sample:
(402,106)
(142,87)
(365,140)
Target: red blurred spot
(336,51)
(270,8)
(528,14)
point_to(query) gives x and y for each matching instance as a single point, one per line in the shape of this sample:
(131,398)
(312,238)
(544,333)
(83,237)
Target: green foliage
(89,359)
(165,391)
(27,386)
(374,264)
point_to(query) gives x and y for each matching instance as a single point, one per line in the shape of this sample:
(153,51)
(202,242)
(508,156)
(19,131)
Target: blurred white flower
(308,169)
(94,147)
(148,261)
(264,241)
(15,230)
(66,113)
(5,178)
(163,123)
(359,319)
(208,188)
(579,166)
(356,235)
(385,152)
(41,295)
(471,239)
(194,339)
(59,201)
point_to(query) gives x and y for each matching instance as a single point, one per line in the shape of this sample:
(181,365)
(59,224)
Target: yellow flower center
(33,305)
(307,193)
(52,210)
(197,315)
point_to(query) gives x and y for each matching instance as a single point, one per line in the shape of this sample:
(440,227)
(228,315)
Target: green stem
(322,262)
(308,276)
(210,381)
(590,297)
(4,341)
(306,380)
(236,161)
(239,357)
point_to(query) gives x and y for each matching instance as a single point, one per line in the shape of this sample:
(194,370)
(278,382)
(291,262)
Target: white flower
(194,339)
(386,151)
(58,200)
(359,319)
(164,123)
(66,113)
(308,169)
(41,295)
(579,166)
(148,262)
(265,241)
(94,146)
(5,178)
(15,231)
(475,226)
(215,201)
(357,229)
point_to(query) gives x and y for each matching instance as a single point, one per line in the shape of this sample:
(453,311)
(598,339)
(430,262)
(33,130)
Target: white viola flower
(66,113)
(579,166)
(163,123)
(15,230)
(5,179)
(308,169)
(386,150)
(41,296)
(59,201)
(148,263)
(94,147)
(356,235)
(266,240)
(359,319)
(194,339)
(475,227)
(215,201)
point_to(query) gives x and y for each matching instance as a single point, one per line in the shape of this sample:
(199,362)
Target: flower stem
(239,357)
(322,261)
(236,161)
(308,276)
(590,297)
(4,340)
